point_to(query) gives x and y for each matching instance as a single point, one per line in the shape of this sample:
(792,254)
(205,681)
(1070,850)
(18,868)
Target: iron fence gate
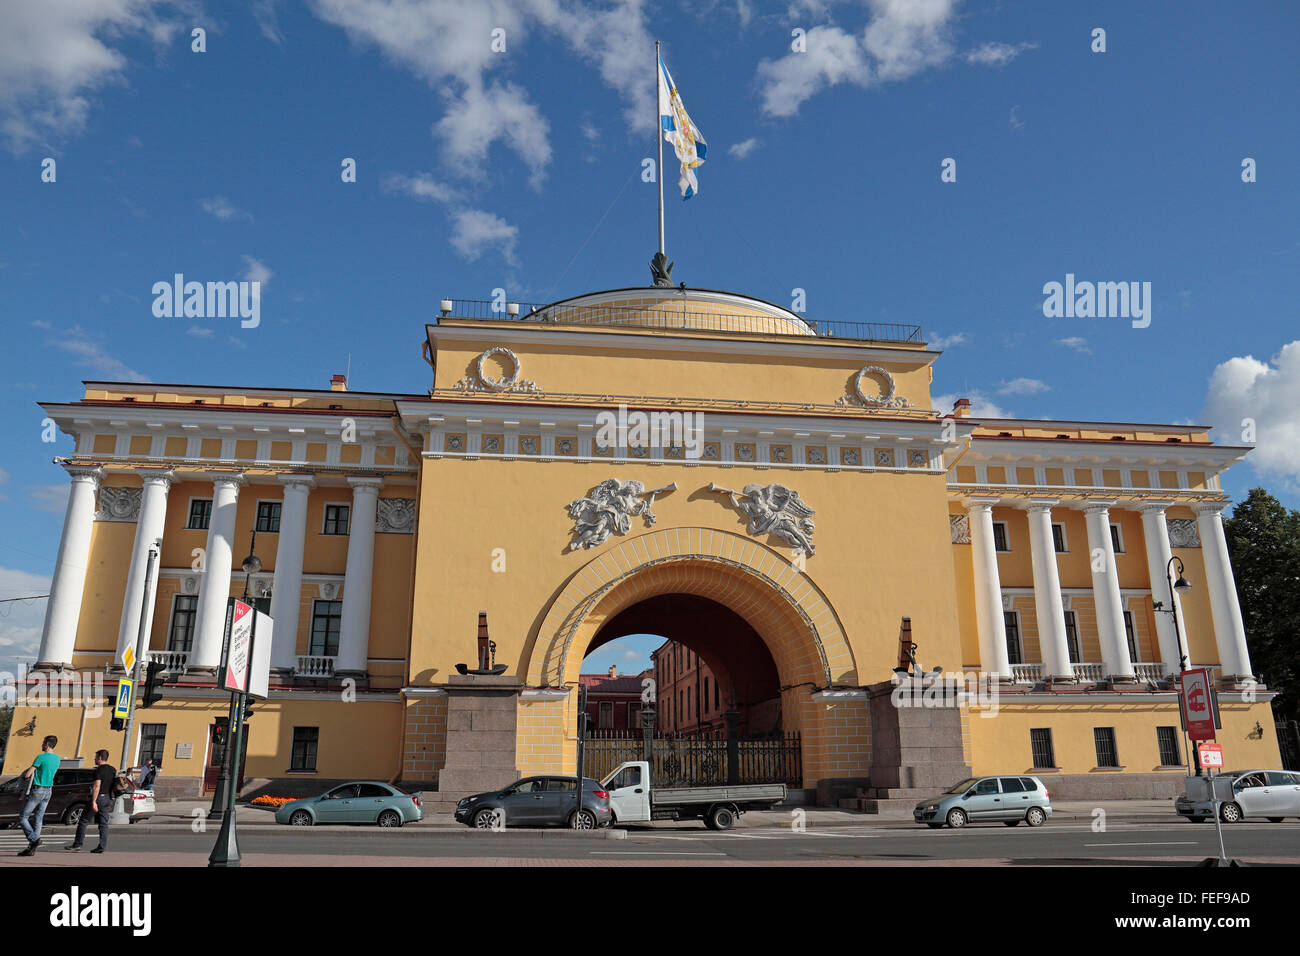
(1288,739)
(686,761)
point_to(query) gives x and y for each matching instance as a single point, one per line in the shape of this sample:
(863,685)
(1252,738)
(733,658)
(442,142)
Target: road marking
(1181,843)
(655,853)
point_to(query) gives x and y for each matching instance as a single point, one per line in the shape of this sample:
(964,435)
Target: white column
(354,634)
(1155,529)
(1048,607)
(148,535)
(210,623)
(1105,591)
(286,591)
(992,626)
(1229,631)
(67,587)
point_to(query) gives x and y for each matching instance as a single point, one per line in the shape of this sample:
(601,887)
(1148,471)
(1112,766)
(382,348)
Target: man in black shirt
(101,803)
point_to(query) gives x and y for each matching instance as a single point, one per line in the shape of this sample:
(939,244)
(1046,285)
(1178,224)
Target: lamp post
(1181,585)
(251,565)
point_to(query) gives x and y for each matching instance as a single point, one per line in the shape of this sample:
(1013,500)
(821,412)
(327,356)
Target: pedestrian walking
(41,773)
(148,775)
(101,799)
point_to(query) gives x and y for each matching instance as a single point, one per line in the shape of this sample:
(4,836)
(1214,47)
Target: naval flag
(678,130)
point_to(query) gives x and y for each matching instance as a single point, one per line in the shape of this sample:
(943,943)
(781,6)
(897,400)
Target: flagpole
(659,138)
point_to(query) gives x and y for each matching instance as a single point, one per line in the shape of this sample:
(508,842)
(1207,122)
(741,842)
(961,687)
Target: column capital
(1039,504)
(297,481)
(980,504)
(1094,506)
(91,473)
(234,478)
(366,483)
(163,476)
(1210,507)
(1155,507)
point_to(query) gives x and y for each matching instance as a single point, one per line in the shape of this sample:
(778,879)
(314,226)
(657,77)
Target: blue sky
(521,169)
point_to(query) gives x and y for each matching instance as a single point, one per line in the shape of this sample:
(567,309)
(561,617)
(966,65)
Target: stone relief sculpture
(483,382)
(395,516)
(959,526)
(887,397)
(118,504)
(609,510)
(775,509)
(1183,533)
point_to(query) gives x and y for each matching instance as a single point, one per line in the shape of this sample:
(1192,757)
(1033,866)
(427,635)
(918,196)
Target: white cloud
(4,476)
(448,44)
(997,54)
(199,332)
(267,15)
(20,627)
(743,148)
(221,208)
(981,405)
(1013,119)
(906,36)
(257,271)
(55,56)
(1076,342)
(832,57)
(90,354)
(49,497)
(1023,386)
(1268,394)
(422,186)
(474,231)
(938,341)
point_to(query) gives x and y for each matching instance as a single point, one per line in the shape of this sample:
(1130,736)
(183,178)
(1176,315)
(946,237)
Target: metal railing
(314,665)
(696,761)
(174,661)
(670,318)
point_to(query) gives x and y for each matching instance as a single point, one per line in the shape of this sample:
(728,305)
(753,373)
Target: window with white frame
(1072,638)
(336,519)
(1131,634)
(1058,539)
(200,515)
(1015,654)
(1000,540)
(180,636)
(1116,539)
(268,517)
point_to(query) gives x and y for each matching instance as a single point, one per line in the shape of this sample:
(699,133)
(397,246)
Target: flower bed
(265,800)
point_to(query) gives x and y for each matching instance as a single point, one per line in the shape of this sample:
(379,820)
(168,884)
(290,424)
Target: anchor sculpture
(487,653)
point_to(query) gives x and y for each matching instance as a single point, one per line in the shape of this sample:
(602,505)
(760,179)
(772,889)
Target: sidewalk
(182,813)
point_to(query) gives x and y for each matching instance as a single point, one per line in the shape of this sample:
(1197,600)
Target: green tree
(6,721)
(1264,544)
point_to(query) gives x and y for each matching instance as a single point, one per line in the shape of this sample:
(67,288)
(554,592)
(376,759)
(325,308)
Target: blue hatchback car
(364,801)
(1006,800)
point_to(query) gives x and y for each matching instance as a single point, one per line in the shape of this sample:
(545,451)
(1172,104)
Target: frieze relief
(959,526)
(395,516)
(1183,533)
(118,504)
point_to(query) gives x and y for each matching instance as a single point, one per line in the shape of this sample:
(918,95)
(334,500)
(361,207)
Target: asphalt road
(1172,843)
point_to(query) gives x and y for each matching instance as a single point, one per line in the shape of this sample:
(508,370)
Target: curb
(362,831)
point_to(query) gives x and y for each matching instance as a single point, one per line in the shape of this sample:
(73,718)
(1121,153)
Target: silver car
(1006,800)
(1271,794)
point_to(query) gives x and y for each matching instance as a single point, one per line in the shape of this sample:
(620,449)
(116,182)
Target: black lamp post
(1182,584)
(251,565)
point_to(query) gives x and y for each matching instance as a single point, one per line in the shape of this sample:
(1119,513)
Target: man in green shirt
(42,773)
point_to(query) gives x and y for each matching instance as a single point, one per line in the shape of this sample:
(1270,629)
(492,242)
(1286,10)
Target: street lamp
(251,565)
(1181,585)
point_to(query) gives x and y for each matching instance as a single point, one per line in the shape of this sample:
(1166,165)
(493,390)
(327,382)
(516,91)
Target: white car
(138,805)
(1271,794)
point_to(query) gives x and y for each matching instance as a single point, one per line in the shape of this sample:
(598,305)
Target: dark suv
(68,801)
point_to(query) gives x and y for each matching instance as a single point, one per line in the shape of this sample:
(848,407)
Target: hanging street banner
(1198,703)
(246,663)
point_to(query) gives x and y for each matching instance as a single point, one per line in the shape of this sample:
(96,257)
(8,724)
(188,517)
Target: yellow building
(716,467)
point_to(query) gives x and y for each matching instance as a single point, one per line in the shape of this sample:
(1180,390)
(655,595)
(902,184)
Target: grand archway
(780,602)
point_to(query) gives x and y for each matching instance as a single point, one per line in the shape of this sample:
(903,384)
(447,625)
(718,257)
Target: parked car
(69,798)
(537,802)
(361,801)
(633,798)
(139,805)
(1271,794)
(1006,800)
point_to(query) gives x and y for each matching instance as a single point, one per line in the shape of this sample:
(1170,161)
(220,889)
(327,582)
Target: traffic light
(116,723)
(152,692)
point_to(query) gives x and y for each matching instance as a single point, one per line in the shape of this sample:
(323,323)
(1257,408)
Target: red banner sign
(1197,703)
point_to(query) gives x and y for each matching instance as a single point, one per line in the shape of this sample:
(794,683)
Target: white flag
(678,130)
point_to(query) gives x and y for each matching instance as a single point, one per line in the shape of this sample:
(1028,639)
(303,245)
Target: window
(336,519)
(688,703)
(1000,536)
(1104,738)
(1058,539)
(561,785)
(705,702)
(1028,784)
(184,609)
(326,621)
(987,786)
(268,517)
(1012,620)
(715,694)
(1132,637)
(200,514)
(373,790)
(1072,638)
(153,741)
(606,715)
(1116,539)
(305,741)
(1167,738)
(633,716)
(1040,744)
(1012,785)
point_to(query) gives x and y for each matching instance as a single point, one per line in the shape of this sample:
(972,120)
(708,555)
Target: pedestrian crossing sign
(125,688)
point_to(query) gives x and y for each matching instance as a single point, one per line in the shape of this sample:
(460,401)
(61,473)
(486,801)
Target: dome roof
(665,308)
